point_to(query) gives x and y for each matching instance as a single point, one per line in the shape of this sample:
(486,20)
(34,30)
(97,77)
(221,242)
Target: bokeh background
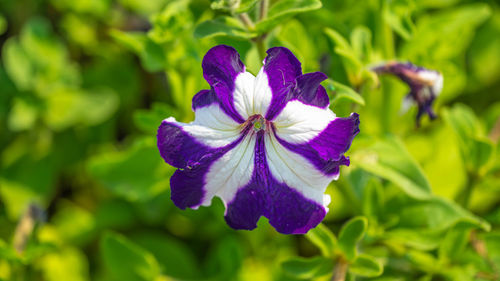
(84,193)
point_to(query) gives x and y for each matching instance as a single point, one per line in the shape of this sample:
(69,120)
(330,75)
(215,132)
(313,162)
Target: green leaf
(153,56)
(127,261)
(373,199)
(477,150)
(17,64)
(66,264)
(366,266)
(137,173)
(307,268)
(455,241)
(246,5)
(323,238)
(397,15)
(225,259)
(150,120)
(389,159)
(343,92)
(283,10)
(3,24)
(174,257)
(222,26)
(437,213)
(351,232)
(361,40)
(420,239)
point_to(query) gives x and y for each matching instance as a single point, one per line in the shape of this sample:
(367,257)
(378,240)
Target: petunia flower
(425,85)
(267,145)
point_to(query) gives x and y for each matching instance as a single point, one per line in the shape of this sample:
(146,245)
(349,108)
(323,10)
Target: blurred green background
(84,193)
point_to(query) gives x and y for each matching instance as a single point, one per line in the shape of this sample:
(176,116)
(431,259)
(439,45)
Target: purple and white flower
(425,85)
(267,145)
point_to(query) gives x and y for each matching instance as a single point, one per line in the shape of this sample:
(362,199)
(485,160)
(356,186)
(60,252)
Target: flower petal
(326,150)
(287,83)
(231,171)
(221,66)
(299,123)
(194,147)
(268,194)
(181,148)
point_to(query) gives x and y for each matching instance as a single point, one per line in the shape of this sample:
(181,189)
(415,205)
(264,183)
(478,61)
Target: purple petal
(221,65)
(287,82)
(309,91)
(326,151)
(193,159)
(287,210)
(204,98)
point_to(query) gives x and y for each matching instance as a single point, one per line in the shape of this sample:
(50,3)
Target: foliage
(84,194)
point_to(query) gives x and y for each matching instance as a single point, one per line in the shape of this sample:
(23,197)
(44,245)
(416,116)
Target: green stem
(259,42)
(264,6)
(340,270)
(247,21)
(464,197)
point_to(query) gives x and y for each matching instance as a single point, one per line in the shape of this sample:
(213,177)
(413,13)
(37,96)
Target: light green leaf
(66,264)
(454,242)
(150,120)
(308,268)
(17,64)
(397,14)
(361,40)
(323,238)
(285,9)
(153,56)
(246,5)
(137,173)
(351,232)
(477,150)
(373,199)
(342,91)
(420,239)
(366,266)
(223,26)
(389,159)
(439,214)
(126,260)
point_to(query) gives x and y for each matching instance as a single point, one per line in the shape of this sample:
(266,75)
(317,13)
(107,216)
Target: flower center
(256,123)
(259,123)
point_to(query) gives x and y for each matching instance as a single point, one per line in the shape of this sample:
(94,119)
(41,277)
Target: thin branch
(264,6)
(340,270)
(247,21)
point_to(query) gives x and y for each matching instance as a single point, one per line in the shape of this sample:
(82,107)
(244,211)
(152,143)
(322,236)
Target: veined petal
(181,149)
(221,66)
(180,143)
(286,82)
(193,148)
(326,150)
(299,123)
(231,171)
(287,209)
(243,94)
(295,171)
(253,99)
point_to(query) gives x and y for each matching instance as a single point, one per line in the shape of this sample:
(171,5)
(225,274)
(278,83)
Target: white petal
(296,171)
(211,126)
(230,172)
(252,95)
(299,123)
(243,94)
(262,95)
